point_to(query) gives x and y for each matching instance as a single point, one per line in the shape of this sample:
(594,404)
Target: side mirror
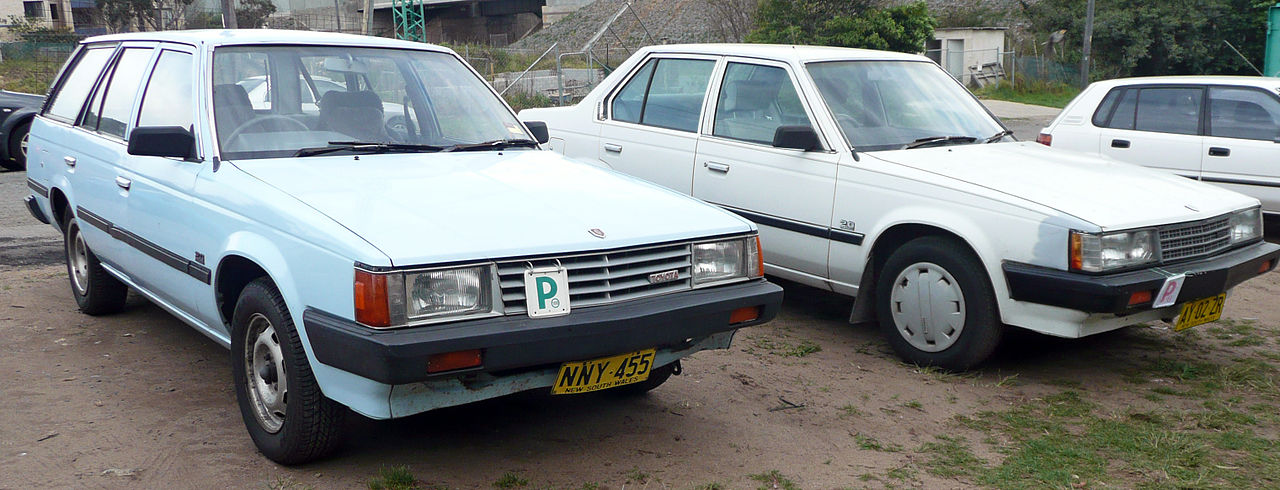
(163,141)
(796,138)
(539,130)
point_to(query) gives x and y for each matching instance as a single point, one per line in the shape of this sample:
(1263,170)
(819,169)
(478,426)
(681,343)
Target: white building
(964,50)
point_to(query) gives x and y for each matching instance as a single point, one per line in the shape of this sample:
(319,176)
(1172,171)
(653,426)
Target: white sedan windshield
(280,101)
(890,105)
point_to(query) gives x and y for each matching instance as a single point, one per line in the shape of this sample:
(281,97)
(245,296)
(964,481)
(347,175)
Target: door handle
(123,183)
(717,167)
(1218,151)
(70,161)
(1119,143)
(612,148)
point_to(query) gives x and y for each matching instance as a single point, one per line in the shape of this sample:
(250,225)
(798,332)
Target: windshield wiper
(364,147)
(494,145)
(939,140)
(999,136)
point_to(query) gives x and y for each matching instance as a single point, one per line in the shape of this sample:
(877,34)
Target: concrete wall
(17,8)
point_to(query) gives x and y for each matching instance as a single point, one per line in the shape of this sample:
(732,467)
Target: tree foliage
(1141,37)
(847,23)
(144,15)
(254,13)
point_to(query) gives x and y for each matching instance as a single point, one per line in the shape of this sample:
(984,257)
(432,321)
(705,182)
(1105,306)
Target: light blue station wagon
(374,230)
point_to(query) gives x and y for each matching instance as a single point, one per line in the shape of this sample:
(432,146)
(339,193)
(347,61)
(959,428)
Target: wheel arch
(58,206)
(889,240)
(233,273)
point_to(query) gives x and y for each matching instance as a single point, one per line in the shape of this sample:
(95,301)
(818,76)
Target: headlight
(1109,251)
(1246,225)
(397,298)
(726,260)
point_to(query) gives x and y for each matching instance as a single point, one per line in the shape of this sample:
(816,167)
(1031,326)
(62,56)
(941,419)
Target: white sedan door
(1242,147)
(1157,127)
(651,129)
(788,193)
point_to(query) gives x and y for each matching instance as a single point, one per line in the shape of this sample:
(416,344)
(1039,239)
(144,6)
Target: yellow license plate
(1200,312)
(607,372)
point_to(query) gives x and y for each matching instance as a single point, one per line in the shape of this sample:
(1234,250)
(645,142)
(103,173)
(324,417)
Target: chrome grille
(1195,239)
(604,277)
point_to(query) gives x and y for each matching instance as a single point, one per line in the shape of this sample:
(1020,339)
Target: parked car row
(369,228)
(16,111)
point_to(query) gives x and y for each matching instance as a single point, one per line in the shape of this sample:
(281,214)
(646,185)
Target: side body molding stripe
(199,272)
(796,226)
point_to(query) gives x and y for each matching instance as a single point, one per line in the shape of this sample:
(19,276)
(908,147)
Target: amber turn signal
(452,361)
(1265,267)
(371,299)
(1139,297)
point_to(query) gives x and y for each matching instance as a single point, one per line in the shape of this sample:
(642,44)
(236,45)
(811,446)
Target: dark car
(16,111)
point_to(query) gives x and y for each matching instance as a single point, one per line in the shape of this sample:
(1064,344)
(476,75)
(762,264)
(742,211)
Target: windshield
(272,101)
(888,105)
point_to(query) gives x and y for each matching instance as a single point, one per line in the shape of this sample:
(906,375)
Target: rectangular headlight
(1246,225)
(1091,252)
(447,292)
(719,261)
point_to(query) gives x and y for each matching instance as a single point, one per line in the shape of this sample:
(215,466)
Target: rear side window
(167,101)
(673,94)
(1169,110)
(109,113)
(78,81)
(1243,113)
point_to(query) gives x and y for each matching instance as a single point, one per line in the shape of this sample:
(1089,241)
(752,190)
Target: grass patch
(873,444)
(850,411)
(774,479)
(804,348)
(511,480)
(637,476)
(950,457)
(30,76)
(1035,93)
(394,478)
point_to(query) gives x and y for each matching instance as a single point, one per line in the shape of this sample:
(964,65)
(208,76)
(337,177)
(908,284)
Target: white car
(877,175)
(1218,129)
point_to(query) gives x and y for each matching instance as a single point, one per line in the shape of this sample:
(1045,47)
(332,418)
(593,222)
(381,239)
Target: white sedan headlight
(1099,252)
(1246,225)
(726,260)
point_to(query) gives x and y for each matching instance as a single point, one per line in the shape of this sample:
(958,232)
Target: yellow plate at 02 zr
(1200,312)
(599,374)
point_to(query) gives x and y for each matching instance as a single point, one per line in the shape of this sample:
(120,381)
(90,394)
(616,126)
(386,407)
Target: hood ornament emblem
(596,232)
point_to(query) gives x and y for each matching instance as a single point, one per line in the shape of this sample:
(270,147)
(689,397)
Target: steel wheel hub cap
(264,368)
(22,145)
(927,307)
(78,255)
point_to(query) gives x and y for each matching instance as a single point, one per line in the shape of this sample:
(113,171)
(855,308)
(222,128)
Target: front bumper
(1110,293)
(512,343)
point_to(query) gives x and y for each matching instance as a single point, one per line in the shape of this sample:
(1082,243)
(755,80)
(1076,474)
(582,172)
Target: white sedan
(877,175)
(1223,130)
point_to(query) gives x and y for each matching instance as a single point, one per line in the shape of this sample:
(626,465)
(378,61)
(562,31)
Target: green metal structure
(410,20)
(1272,66)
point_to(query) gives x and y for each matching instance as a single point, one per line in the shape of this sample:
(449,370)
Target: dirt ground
(139,399)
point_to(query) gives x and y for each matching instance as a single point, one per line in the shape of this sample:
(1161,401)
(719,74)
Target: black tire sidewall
(103,292)
(982,327)
(16,161)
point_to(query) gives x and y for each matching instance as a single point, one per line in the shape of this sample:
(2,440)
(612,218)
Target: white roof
(783,52)
(1271,83)
(216,37)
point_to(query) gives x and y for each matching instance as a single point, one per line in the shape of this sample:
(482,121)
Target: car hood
(424,208)
(1107,193)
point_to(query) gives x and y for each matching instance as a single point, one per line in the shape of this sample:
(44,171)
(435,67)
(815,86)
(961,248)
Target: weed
(914,405)
(804,348)
(850,411)
(950,457)
(511,480)
(774,479)
(710,486)
(394,478)
(637,476)
(287,483)
(871,443)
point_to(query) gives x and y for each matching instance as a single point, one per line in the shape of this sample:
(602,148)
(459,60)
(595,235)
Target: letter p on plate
(546,291)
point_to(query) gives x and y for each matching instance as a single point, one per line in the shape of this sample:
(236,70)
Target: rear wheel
(97,292)
(18,138)
(288,418)
(936,306)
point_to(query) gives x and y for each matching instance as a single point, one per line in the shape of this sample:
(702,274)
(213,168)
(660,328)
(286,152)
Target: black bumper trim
(1110,293)
(165,256)
(517,341)
(34,208)
(39,189)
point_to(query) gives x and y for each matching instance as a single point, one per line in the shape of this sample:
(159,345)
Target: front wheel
(287,416)
(18,138)
(936,306)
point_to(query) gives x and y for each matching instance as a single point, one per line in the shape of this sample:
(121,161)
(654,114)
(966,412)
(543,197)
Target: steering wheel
(263,119)
(853,122)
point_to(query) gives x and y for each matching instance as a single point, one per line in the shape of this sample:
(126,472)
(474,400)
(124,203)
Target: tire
(657,376)
(288,418)
(960,298)
(97,292)
(17,147)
